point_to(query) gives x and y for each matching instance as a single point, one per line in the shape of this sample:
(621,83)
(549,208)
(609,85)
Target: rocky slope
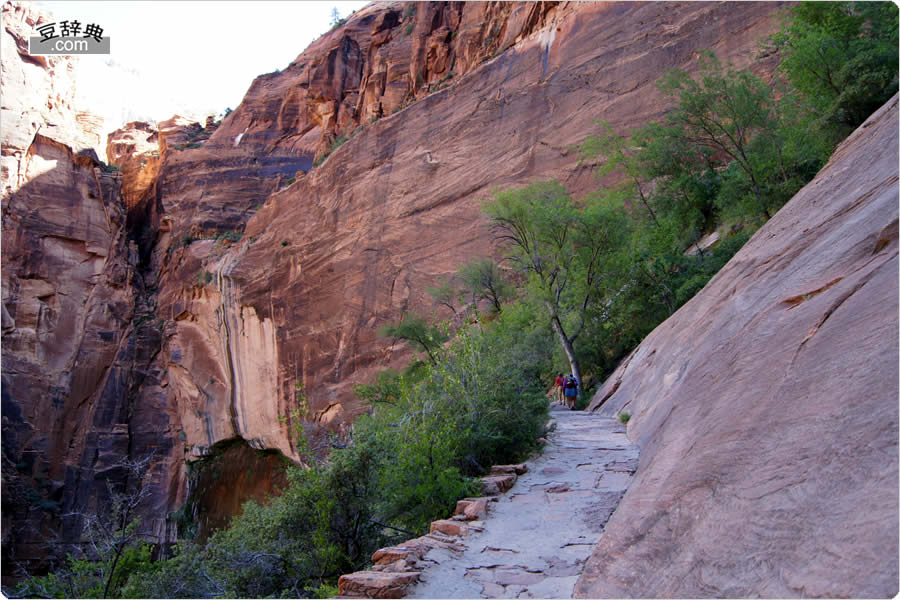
(766,408)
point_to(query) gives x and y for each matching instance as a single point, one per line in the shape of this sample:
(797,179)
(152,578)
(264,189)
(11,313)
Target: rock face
(253,280)
(78,332)
(766,408)
(327,257)
(75,344)
(38,93)
(134,149)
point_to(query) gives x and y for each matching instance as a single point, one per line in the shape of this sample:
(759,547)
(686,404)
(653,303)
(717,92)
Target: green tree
(842,56)
(727,112)
(619,157)
(446,294)
(562,250)
(417,331)
(484,280)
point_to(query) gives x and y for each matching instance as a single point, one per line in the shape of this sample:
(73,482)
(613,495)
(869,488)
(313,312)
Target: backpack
(571,383)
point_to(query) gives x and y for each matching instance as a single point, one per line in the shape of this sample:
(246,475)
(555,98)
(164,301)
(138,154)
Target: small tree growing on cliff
(419,333)
(484,280)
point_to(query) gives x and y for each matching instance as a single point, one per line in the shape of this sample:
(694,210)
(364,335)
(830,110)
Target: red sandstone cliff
(78,331)
(327,257)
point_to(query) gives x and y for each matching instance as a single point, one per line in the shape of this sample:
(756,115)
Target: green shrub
(231,236)
(624,417)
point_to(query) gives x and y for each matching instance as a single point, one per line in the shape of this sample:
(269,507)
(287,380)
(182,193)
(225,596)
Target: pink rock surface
(766,408)
(493,485)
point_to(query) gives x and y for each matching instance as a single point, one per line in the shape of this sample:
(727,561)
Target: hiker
(571,391)
(560,383)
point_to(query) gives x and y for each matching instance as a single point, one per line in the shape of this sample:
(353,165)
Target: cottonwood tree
(731,113)
(565,252)
(446,294)
(842,56)
(419,333)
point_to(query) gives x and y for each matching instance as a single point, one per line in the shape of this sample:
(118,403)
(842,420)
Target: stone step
(473,508)
(450,527)
(493,485)
(518,469)
(376,584)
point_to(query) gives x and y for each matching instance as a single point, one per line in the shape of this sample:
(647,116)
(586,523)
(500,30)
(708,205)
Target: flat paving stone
(538,535)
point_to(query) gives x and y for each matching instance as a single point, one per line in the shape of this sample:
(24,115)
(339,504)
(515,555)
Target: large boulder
(766,408)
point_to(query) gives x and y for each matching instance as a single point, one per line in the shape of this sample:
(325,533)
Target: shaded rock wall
(79,329)
(766,408)
(222,482)
(68,343)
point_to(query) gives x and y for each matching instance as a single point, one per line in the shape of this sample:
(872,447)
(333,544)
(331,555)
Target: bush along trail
(530,538)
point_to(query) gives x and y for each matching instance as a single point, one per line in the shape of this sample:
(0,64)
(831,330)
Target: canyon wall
(226,271)
(78,330)
(766,408)
(442,103)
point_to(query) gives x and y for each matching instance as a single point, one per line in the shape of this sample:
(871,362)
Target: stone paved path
(538,535)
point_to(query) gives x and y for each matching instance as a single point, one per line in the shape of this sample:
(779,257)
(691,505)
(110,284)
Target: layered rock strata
(766,408)
(78,324)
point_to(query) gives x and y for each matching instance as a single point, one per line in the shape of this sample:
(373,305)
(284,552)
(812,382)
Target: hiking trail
(538,535)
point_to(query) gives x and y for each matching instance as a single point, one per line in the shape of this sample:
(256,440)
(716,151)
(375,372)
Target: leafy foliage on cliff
(477,401)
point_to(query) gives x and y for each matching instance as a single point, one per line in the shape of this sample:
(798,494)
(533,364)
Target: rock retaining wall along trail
(529,540)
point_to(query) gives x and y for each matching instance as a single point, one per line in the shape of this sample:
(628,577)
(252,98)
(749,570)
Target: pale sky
(186,57)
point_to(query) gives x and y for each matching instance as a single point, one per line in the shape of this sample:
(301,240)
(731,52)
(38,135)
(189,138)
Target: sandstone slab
(497,484)
(450,527)
(519,469)
(472,509)
(766,407)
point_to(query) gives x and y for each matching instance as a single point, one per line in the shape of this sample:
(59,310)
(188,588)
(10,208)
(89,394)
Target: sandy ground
(538,535)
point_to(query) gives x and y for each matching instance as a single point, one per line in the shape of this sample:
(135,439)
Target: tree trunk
(568,349)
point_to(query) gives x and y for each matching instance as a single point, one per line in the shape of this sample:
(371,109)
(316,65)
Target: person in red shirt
(560,382)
